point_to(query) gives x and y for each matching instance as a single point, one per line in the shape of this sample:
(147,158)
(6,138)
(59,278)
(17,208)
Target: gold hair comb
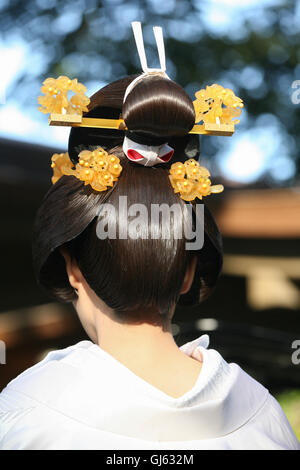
(214,106)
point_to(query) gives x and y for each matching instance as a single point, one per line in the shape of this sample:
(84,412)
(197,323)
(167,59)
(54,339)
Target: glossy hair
(160,107)
(130,274)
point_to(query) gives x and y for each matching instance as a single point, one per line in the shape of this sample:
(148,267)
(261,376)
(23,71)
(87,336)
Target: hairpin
(214,106)
(96,168)
(214,101)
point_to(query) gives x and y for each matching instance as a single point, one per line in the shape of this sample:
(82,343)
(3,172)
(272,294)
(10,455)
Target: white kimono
(81,397)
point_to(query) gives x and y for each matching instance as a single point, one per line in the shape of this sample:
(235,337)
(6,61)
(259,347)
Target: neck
(122,339)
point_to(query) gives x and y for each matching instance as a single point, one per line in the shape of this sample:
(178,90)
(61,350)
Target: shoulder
(269,429)
(32,398)
(44,378)
(252,417)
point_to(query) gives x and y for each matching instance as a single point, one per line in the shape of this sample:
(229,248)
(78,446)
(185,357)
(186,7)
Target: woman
(130,386)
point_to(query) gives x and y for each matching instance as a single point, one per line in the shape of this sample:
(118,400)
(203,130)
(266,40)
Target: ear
(189,276)
(73,271)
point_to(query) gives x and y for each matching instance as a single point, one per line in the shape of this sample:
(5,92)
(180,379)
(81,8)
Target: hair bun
(158,106)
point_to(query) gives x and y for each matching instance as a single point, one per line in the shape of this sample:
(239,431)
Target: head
(140,278)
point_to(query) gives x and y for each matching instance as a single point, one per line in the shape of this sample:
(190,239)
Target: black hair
(157,106)
(127,274)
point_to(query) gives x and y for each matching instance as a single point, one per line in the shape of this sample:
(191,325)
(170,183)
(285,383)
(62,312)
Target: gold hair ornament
(192,180)
(96,168)
(217,105)
(56,97)
(214,106)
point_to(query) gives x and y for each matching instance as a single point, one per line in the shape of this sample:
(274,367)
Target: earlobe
(189,276)
(72,269)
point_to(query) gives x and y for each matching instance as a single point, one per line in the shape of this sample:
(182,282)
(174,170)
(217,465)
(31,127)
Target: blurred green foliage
(290,402)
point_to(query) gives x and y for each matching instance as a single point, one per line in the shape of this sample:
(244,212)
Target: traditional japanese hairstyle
(135,137)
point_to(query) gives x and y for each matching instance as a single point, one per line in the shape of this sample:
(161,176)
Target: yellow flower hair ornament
(192,180)
(56,96)
(96,168)
(216,104)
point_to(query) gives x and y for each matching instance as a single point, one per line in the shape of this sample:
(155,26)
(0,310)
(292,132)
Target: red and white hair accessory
(147,155)
(150,153)
(138,36)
